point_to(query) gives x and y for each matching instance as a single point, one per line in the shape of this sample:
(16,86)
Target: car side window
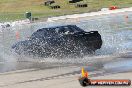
(60,30)
(64,30)
(68,30)
(74,28)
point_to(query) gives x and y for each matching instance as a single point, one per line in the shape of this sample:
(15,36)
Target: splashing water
(116,35)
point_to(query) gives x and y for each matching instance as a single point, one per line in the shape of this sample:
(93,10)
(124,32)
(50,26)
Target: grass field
(15,9)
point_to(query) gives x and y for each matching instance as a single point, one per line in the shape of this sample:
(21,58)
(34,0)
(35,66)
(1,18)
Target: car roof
(60,28)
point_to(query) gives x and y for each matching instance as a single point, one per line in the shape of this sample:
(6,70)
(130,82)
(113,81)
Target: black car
(59,41)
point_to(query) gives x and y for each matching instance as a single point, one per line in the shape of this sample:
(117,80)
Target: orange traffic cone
(84,73)
(17,35)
